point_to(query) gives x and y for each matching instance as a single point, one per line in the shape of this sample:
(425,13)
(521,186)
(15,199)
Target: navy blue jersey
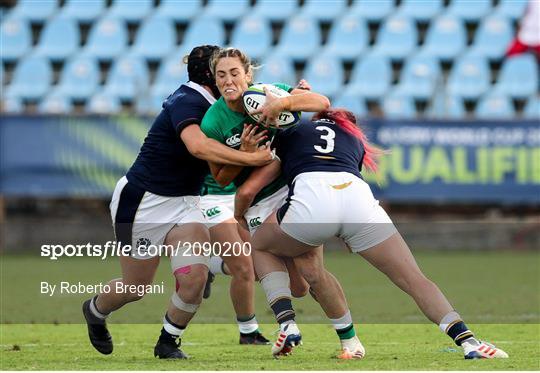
(164,166)
(318,146)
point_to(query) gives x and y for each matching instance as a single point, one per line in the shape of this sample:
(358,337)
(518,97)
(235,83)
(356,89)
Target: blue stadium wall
(491,162)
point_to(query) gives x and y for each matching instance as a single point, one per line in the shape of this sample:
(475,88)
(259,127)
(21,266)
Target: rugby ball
(254,98)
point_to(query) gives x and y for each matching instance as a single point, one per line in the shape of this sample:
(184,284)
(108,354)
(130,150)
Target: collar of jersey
(199,88)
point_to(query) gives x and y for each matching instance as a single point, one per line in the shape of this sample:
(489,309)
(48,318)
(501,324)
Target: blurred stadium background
(81,81)
(429,79)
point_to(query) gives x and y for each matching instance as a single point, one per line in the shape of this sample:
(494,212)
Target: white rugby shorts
(326,204)
(143,219)
(217,208)
(257,214)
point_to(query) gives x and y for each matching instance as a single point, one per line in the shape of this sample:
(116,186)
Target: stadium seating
(397,106)
(373,11)
(469,11)
(253,36)
(353,103)
(35,11)
(32,78)
(12,105)
(397,38)
(203,30)
(171,73)
(155,39)
(60,39)
(420,10)
(179,14)
(445,38)
(226,10)
(371,77)
(269,10)
(447,107)
(419,77)
(83,11)
(513,9)
(325,74)
(518,77)
(469,78)
(348,38)
(108,39)
(130,11)
(299,31)
(492,37)
(80,78)
(323,10)
(55,103)
(532,109)
(128,78)
(421,45)
(15,38)
(276,69)
(103,103)
(495,106)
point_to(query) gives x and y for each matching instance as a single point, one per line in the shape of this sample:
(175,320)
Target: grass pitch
(215,347)
(498,294)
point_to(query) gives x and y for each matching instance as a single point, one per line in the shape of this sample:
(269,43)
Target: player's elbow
(197,150)
(325,103)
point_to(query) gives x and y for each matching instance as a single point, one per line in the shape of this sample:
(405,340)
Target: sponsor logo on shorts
(142,245)
(233,140)
(255,222)
(211,212)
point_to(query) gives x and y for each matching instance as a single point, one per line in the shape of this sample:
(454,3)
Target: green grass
(498,294)
(389,347)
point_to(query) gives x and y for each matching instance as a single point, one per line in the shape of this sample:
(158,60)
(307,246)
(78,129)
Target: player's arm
(212,150)
(299,100)
(258,179)
(225,174)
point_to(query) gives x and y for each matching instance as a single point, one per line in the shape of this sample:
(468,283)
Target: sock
(216,265)
(247,325)
(344,326)
(95,311)
(456,329)
(283,310)
(171,330)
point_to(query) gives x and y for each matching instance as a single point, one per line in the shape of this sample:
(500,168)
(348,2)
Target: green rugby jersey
(225,125)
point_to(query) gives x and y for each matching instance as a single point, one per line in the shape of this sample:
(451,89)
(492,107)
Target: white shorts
(257,214)
(143,219)
(326,204)
(217,208)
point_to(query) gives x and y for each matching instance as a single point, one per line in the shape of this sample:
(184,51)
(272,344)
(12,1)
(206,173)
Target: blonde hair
(231,52)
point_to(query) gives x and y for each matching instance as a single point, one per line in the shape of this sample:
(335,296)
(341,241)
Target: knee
(191,285)
(299,288)
(242,270)
(312,274)
(299,291)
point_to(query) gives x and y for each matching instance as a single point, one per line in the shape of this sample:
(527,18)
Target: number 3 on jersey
(329,137)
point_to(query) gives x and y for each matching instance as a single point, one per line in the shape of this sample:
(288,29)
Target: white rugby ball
(254,98)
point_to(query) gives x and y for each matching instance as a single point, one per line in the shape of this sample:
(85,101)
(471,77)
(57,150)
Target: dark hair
(346,120)
(198,66)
